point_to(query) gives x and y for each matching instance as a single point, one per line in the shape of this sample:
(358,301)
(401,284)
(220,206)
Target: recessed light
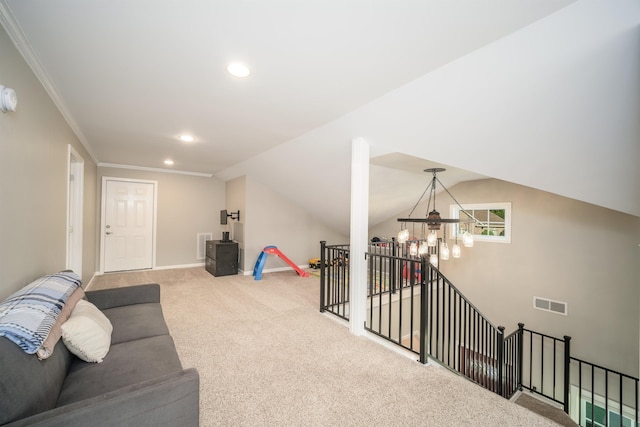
(168,162)
(238,70)
(186,138)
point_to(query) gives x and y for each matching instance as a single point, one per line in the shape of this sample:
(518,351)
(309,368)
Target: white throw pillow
(87,332)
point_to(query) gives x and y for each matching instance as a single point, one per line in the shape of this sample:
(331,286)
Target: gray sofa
(141,381)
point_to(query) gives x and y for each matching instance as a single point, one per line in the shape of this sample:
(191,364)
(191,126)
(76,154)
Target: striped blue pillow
(27,316)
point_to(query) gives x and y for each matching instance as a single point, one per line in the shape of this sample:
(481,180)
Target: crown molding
(147,169)
(23,46)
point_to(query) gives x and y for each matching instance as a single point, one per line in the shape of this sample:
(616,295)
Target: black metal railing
(512,373)
(334,279)
(547,362)
(393,309)
(412,304)
(454,332)
(602,396)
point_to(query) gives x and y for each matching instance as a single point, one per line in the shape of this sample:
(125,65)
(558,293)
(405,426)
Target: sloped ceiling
(504,88)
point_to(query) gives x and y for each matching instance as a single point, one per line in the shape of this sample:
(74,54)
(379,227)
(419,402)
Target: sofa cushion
(27,315)
(46,349)
(132,322)
(126,364)
(28,385)
(87,333)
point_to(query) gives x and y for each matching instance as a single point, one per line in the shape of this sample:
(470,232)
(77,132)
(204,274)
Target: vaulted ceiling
(130,77)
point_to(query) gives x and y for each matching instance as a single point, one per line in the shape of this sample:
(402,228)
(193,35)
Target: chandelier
(431,224)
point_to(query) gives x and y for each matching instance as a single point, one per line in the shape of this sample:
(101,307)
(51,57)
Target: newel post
(423,309)
(520,350)
(567,372)
(500,357)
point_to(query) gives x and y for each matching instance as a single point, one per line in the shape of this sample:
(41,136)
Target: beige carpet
(266,356)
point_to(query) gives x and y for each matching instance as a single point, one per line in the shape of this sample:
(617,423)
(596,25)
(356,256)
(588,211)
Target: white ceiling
(131,76)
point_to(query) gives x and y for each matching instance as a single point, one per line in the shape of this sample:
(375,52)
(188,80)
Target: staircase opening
(412,304)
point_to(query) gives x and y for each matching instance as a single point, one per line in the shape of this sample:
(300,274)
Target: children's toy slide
(262,258)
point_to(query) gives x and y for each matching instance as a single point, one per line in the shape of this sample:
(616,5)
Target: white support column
(359,235)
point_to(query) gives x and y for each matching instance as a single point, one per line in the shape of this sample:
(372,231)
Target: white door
(128,225)
(75,169)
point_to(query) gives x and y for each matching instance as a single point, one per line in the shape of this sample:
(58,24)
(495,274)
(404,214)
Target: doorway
(75,176)
(128,224)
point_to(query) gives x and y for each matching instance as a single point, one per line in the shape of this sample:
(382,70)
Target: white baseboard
(86,288)
(163,267)
(171,267)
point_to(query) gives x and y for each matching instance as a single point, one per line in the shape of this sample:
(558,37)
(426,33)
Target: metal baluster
(500,357)
(323,243)
(606,398)
(567,371)
(448,324)
(437,309)
(542,364)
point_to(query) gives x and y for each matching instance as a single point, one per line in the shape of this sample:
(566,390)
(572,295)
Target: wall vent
(552,306)
(201,250)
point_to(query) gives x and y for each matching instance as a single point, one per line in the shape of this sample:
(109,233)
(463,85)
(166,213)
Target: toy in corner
(262,258)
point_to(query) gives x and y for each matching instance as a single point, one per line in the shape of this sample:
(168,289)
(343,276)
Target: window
(492,221)
(599,415)
(593,410)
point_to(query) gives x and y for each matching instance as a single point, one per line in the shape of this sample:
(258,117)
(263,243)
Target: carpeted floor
(267,356)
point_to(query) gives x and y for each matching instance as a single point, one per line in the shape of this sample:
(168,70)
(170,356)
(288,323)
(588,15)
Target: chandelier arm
(458,203)
(432,194)
(418,202)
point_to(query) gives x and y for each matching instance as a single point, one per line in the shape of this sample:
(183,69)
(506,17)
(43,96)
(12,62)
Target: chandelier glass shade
(432,238)
(455,251)
(444,251)
(428,244)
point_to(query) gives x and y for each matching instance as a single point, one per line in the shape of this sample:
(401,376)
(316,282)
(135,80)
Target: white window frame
(455,213)
(612,405)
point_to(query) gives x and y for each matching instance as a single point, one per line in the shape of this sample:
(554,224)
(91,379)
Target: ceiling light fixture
(238,70)
(432,222)
(168,162)
(186,138)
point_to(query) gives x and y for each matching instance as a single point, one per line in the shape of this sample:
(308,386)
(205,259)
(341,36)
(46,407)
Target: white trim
(24,47)
(396,348)
(75,239)
(103,210)
(170,267)
(164,267)
(144,168)
(86,288)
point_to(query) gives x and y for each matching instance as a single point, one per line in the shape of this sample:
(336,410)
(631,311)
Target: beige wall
(271,219)
(33,181)
(187,205)
(563,250)
(236,200)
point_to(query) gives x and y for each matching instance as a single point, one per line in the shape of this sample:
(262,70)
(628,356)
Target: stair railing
(454,332)
(409,296)
(334,279)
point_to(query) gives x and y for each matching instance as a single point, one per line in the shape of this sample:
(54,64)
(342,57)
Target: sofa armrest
(172,400)
(118,297)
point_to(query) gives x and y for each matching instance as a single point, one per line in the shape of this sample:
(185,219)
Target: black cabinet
(222,257)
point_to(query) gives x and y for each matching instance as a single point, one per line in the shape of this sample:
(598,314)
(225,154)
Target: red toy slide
(257,271)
